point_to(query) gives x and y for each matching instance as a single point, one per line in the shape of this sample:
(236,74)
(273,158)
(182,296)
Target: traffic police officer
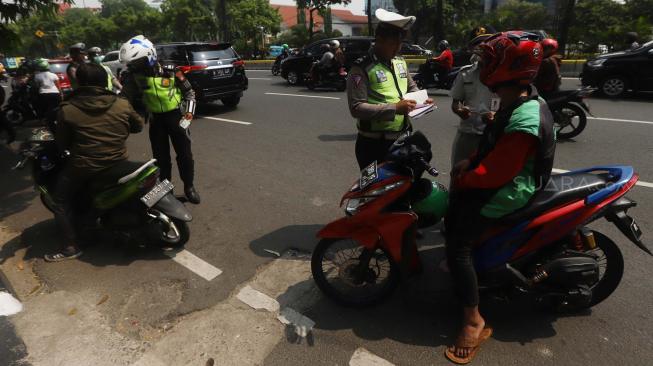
(376,85)
(170,100)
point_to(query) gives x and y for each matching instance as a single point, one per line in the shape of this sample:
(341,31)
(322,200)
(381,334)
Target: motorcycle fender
(618,215)
(172,207)
(585,107)
(343,228)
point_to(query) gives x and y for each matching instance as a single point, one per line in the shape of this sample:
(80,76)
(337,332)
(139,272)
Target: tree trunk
(310,24)
(567,18)
(369,17)
(438,31)
(224,28)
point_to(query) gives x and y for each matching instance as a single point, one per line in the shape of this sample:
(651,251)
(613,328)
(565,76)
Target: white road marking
(195,264)
(256,70)
(303,325)
(303,96)
(259,78)
(9,305)
(257,300)
(229,120)
(567,78)
(620,120)
(363,357)
(639,183)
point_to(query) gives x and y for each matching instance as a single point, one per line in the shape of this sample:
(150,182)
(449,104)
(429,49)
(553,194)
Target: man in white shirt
(49,92)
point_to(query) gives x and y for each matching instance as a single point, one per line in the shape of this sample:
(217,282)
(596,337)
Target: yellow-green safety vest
(160,94)
(387,86)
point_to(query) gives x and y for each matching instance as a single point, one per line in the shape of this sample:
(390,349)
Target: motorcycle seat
(118,174)
(561,189)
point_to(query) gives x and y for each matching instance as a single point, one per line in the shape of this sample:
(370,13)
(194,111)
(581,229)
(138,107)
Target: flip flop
(475,345)
(62,256)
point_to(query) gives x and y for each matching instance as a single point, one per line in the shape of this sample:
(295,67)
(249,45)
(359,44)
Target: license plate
(156,193)
(369,175)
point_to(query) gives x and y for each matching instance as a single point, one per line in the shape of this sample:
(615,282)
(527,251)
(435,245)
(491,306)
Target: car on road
(296,66)
(214,70)
(614,74)
(59,67)
(408,49)
(111,61)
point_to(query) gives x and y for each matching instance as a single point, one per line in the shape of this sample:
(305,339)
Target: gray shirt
(358,88)
(477,97)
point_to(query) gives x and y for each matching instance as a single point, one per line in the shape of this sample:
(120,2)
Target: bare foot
(470,333)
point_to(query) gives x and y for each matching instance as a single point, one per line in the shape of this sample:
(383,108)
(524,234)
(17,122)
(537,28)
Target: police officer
(95,56)
(168,97)
(77,53)
(375,88)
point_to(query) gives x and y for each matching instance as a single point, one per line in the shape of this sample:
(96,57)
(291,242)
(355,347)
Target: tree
(188,20)
(13,11)
(251,16)
(519,14)
(319,6)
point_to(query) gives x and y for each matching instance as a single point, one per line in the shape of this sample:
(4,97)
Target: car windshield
(58,67)
(211,52)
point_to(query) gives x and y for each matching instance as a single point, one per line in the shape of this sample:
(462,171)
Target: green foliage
(188,20)
(297,36)
(12,11)
(249,16)
(519,14)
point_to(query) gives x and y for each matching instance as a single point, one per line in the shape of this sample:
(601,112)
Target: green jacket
(94,125)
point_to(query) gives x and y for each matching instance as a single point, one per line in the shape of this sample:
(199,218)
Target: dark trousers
(69,184)
(164,128)
(5,126)
(369,150)
(48,104)
(464,226)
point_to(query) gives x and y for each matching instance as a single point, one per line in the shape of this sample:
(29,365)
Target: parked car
(214,69)
(408,49)
(294,67)
(59,67)
(614,74)
(111,61)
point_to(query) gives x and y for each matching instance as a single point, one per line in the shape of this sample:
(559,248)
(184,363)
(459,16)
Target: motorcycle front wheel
(14,117)
(353,275)
(569,120)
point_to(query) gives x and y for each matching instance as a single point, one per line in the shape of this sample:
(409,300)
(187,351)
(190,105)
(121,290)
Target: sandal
(62,256)
(473,344)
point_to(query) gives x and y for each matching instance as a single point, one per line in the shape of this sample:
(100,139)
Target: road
(271,173)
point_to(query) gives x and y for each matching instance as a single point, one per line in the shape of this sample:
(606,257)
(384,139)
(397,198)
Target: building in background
(381,4)
(348,23)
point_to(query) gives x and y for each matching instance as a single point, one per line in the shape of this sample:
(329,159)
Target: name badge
(165,82)
(495,104)
(381,77)
(402,71)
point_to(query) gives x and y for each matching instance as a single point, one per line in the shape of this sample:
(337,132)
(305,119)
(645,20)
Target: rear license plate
(219,73)
(369,175)
(156,193)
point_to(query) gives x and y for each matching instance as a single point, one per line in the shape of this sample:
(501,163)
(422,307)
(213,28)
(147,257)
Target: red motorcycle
(544,250)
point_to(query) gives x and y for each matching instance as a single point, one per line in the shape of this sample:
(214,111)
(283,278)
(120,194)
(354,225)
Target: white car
(111,61)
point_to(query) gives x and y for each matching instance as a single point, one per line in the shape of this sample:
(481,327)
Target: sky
(356,6)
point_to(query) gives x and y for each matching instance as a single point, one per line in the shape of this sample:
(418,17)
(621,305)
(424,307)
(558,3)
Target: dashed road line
(229,120)
(195,264)
(302,96)
(639,183)
(363,357)
(620,120)
(9,305)
(259,78)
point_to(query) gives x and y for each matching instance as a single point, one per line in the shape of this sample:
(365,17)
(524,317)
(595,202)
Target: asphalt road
(271,173)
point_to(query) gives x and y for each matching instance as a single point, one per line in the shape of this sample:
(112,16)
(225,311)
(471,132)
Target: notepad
(421,108)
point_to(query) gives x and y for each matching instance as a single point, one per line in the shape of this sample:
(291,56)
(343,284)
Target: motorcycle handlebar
(429,169)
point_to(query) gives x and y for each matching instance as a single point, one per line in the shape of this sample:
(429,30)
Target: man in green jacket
(93,126)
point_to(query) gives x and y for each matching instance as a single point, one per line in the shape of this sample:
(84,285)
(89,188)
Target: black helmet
(443,45)
(95,50)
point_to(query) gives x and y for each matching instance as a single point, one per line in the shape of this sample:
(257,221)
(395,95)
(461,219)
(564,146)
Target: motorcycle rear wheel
(359,285)
(567,129)
(612,262)
(14,117)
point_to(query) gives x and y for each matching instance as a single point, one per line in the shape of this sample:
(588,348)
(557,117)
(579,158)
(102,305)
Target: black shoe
(192,195)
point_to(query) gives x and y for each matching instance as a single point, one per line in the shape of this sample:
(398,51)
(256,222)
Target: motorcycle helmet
(138,50)
(510,58)
(285,46)
(42,64)
(549,47)
(94,54)
(443,45)
(334,43)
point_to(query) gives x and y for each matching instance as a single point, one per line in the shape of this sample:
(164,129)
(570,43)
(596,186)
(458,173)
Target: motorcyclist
(95,56)
(50,94)
(325,64)
(285,52)
(513,162)
(93,125)
(77,53)
(548,78)
(163,93)
(443,63)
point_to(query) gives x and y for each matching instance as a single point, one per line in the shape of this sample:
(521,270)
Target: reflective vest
(160,94)
(109,77)
(386,86)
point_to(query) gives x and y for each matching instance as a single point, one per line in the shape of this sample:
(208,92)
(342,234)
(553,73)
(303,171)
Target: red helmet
(550,47)
(510,57)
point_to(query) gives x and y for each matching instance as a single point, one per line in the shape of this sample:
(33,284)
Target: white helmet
(334,43)
(137,48)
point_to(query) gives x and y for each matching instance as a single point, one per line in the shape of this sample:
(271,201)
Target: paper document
(421,108)
(419,96)
(420,111)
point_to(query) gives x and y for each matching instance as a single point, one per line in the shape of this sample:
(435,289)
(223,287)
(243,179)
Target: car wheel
(614,86)
(293,77)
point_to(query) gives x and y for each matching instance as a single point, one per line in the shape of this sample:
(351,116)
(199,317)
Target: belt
(390,135)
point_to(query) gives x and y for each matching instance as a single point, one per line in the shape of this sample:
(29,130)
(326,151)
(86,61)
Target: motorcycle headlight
(596,63)
(355,203)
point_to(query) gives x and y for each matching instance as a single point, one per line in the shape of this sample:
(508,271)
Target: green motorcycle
(127,199)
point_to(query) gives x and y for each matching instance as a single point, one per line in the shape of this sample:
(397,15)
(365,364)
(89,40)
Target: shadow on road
(16,190)
(336,138)
(300,238)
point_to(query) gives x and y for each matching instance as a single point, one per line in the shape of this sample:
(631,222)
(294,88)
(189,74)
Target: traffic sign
(39,33)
